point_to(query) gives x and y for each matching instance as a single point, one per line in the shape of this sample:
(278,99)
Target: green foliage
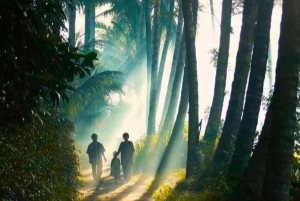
(214,58)
(40,161)
(93,95)
(169,191)
(36,62)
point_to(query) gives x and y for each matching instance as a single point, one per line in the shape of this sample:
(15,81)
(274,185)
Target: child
(115,167)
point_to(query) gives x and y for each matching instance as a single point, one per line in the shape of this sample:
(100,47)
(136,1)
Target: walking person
(126,149)
(95,152)
(115,167)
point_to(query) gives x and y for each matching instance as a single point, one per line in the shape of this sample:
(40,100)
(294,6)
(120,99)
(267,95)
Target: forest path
(108,190)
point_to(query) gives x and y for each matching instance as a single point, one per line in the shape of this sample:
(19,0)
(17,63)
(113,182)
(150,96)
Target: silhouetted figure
(115,167)
(96,151)
(126,149)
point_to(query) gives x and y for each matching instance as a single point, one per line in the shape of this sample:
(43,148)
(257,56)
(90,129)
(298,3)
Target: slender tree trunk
(251,183)
(270,67)
(93,25)
(195,7)
(88,35)
(224,151)
(169,120)
(178,127)
(281,146)
(246,135)
(213,123)
(72,22)
(153,91)
(191,63)
(211,2)
(164,54)
(173,68)
(147,10)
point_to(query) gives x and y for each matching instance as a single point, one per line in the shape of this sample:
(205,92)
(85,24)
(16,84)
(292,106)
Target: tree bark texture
(246,134)
(89,33)
(191,64)
(224,151)
(214,118)
(72,22)
(164,54)
(170,116)
(173,68)
(281,146)
(147,11)
(251,182)
(155,55)
(178,127)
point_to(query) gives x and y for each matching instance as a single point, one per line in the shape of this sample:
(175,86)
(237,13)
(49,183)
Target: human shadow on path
(107,184)
(127,190)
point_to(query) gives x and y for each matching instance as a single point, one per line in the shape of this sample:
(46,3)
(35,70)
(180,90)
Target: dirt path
(108,190)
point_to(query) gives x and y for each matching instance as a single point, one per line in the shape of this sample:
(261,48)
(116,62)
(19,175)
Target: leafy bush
(40,162)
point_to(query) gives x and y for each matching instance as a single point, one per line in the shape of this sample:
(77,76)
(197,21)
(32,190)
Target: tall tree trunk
(270,67)
(93,25)
(89,33)
(246,135)
(173,68)
(213,123)
(211,2)
(178,126)
(281,146)
(164,54)
(155,55)
(147,10)
(191,63)
(169,120)
(224,151)
(72,22)
(195,7)
(251,183)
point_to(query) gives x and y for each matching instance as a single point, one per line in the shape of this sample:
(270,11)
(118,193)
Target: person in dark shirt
(115,167)
(95,152)
(126,149)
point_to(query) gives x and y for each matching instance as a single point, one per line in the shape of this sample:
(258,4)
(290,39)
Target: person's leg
(129,166)
(99,170)
(94,171)
(125,170)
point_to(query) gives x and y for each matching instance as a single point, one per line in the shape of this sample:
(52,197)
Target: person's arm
(88,153)
(119,150)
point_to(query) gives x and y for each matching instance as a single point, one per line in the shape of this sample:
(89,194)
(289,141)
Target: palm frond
(99,86)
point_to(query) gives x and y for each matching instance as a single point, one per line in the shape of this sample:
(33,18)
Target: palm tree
(246,135)
(147,10)
(284,102)
(155,54)
(251,183)
(170,116)
(213,123)
(91,98)
(175,60)
(169,36)
(270,67)
(211,4)
(72,22)
(191,64)
(224,151)
(89,33)
(178,127)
